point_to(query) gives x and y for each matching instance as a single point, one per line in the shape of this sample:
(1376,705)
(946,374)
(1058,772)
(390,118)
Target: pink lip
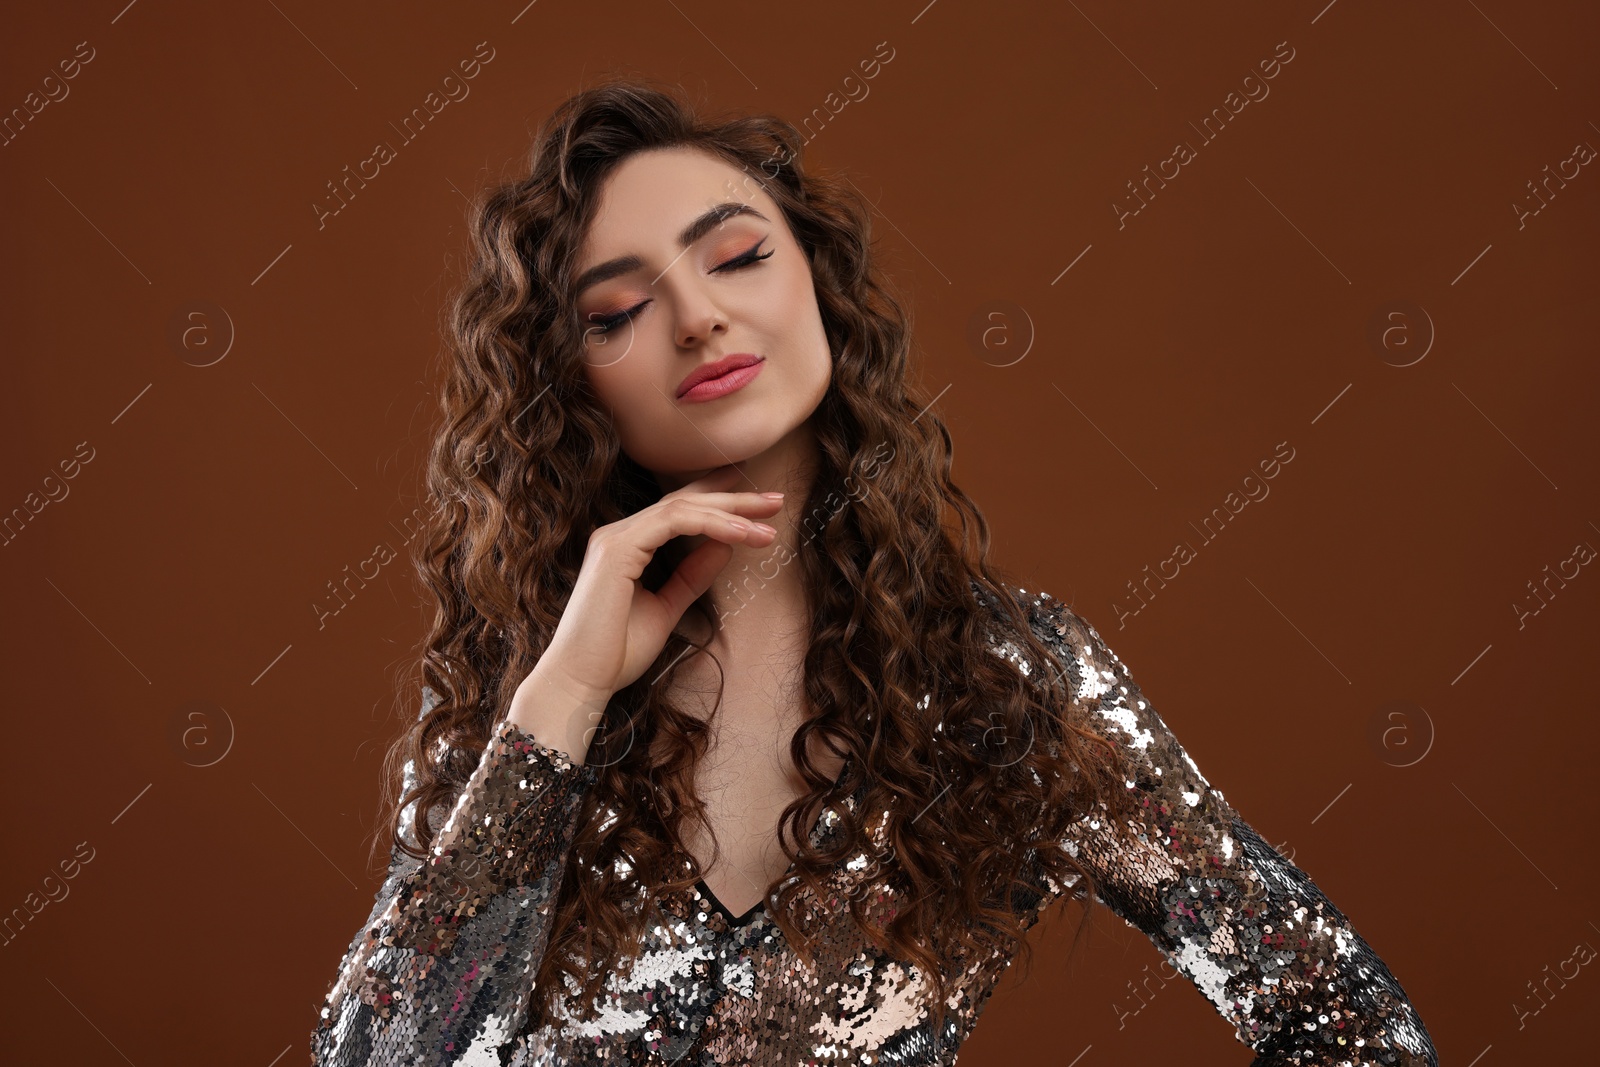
(711,380)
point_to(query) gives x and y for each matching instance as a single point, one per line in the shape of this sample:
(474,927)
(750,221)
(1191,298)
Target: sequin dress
(442,971)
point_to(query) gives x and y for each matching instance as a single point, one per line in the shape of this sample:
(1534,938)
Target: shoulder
(1082,666)
(1061,629)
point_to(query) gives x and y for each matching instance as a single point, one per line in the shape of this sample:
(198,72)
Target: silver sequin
(441,972)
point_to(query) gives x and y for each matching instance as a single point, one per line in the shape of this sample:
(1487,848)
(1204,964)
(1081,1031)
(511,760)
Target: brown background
(1233,313)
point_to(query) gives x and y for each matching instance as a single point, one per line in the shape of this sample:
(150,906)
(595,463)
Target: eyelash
(739,262)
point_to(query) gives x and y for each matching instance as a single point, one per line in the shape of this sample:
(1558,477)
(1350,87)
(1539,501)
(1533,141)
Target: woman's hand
(613,627)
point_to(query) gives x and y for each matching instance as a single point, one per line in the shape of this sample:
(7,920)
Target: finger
(693,577)
(734,502)
(654,527)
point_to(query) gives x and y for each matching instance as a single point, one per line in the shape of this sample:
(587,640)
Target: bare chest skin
(747,777)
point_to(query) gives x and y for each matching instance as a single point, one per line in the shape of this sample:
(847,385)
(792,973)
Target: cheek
(785,310)
(604,353)
(801,291)
(609,384)
(614,363)
(806,317)
(624,389)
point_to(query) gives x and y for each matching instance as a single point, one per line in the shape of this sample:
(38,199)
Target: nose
(699,317)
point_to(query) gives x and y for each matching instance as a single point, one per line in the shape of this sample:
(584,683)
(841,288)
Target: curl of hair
(525,464)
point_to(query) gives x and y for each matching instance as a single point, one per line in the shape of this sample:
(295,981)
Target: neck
(762,587)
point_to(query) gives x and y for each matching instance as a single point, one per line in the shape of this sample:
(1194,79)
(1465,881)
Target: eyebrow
(697,229)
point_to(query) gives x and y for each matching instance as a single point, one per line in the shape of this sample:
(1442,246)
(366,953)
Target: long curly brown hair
(971,760)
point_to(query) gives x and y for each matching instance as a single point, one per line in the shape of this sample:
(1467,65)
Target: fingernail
(773,496)
(764,526)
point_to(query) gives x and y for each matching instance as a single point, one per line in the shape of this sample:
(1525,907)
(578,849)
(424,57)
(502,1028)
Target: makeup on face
(720,377)
(745,250)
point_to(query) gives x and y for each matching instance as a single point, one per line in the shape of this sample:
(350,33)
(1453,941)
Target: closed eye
(745,260)
(607,323)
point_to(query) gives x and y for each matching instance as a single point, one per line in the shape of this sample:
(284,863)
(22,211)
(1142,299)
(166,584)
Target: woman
(706,774)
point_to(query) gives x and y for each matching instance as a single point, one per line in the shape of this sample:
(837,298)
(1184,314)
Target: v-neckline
(759,906)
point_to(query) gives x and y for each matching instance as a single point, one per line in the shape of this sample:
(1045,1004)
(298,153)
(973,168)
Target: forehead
(653,194)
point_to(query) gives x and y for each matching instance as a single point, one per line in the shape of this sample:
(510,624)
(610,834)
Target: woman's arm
(1246,926)
(444,963)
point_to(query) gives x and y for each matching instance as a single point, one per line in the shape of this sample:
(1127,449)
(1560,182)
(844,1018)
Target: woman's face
(655,308)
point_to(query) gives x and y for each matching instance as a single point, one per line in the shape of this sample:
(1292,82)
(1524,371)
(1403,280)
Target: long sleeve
(1247,927)
(446,959)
